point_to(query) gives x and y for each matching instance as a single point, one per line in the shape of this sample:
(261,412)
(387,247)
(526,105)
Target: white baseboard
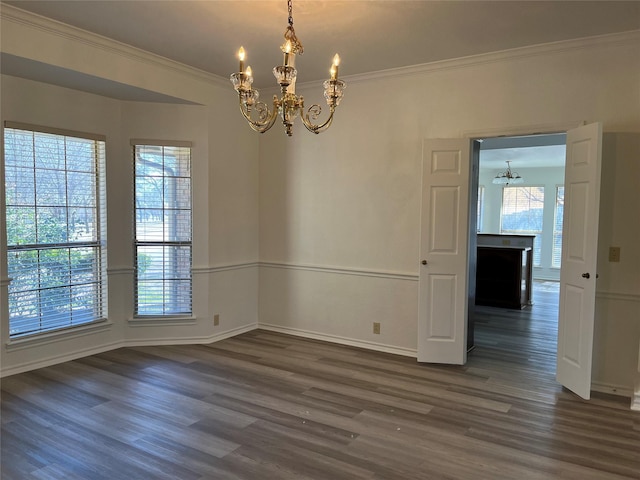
(150,342)
(56,359)
(619,390)
(379,347)
(47,362)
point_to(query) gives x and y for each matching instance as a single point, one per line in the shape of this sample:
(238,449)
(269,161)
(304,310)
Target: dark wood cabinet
(504,274)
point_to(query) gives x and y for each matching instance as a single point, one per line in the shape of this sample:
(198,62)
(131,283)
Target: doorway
(447,248)
(521,192)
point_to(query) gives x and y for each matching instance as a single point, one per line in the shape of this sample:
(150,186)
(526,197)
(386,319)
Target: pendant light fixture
(507,177)
(289,105)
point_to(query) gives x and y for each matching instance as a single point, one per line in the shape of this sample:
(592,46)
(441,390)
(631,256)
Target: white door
(444,240)
(579,255)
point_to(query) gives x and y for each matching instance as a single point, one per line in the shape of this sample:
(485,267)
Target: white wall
(46,105)
(225,245)
(333,219)
(348,200)
(548,177)
(225,154)
(617,335)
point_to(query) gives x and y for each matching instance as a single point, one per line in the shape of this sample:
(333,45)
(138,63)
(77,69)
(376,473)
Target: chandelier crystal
(507,177)
(289,105)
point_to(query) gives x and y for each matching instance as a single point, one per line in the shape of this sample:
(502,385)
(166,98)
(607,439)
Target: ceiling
(523,158)
(369,35)
(524,152)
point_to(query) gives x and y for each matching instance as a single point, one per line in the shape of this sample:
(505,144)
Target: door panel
(579,258)
(444,220)
(574,298)
(577,195)
(444,241)
(442,287)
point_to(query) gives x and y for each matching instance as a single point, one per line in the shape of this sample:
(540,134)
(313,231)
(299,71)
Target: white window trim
(168,319)
(100,323)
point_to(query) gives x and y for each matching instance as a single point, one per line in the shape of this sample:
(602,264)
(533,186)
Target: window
(480,206)
(55,200)
(162,230)
(556,256)
(522,213)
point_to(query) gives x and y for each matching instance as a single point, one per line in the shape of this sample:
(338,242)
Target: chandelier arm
(312,112)
(261,126)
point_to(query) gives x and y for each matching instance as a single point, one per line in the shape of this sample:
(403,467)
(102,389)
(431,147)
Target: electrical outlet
(216,320)
(614,254)
(376,328)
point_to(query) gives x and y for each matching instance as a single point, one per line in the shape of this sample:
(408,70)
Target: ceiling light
(289,105)
(507,177)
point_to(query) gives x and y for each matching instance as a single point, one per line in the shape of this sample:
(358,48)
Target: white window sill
(167,321)
(38,339)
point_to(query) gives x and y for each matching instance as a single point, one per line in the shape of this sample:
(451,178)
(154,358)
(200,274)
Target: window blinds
(556,255)
(163,230)
(55,201)
(522,213)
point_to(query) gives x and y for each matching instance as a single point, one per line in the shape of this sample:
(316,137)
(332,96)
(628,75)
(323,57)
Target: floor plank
(265,405)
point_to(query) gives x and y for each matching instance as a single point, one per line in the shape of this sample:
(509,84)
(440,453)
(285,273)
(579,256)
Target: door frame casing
(530,130)
(522,131)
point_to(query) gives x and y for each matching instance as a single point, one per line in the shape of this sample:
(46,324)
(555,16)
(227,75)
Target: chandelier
(289,105)
(507,177)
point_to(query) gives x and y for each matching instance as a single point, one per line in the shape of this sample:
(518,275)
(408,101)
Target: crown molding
(16,15)
(614,39)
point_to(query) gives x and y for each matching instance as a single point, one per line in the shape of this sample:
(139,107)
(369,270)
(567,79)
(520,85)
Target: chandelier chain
(290,33)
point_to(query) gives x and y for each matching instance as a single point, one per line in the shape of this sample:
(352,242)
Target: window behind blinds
(556,256)
(162,230)
(480,208)
(522,213)
(55,214)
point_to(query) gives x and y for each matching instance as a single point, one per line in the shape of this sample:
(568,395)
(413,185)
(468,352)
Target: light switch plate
(614,254)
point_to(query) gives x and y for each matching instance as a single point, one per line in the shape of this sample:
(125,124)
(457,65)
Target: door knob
(586,275)
(424,262)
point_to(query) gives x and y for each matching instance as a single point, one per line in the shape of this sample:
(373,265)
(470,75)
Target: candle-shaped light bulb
(241,56)
(334,67)
(287,52)
(249,72)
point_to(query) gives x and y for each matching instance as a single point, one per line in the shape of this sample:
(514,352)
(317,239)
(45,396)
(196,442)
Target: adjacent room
(520,195)
(221,258)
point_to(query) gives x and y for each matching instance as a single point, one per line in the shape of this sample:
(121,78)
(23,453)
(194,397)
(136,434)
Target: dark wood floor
(269,406)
